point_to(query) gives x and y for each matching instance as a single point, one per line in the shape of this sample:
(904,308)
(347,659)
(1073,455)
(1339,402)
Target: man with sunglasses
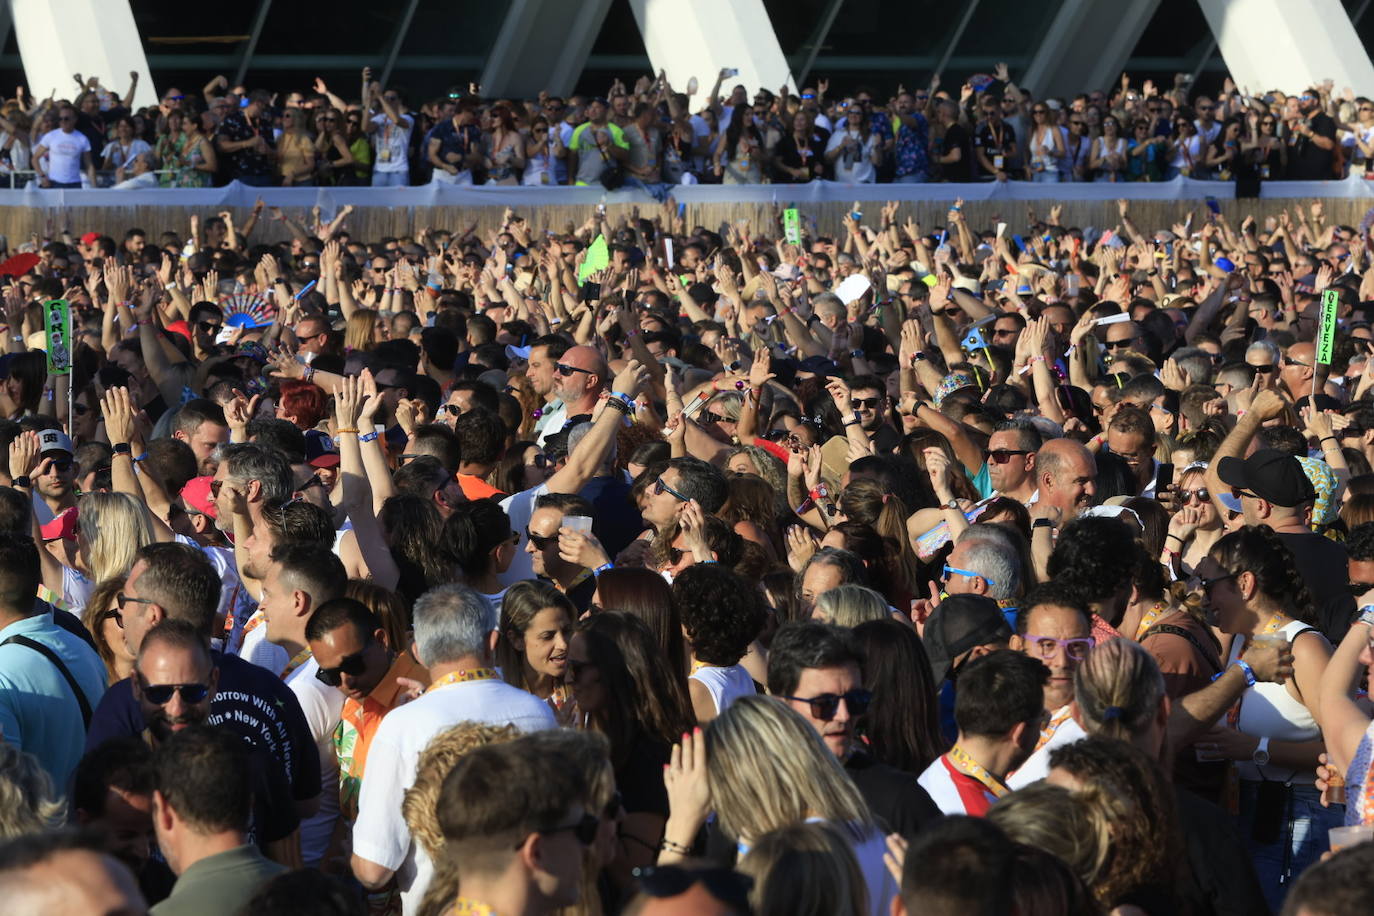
(817,669)
(53,477)
(998,711)
(66,153)
(541,543)
(175,682)
(515,818)
(1311,139)
(868,403)
(1010,466)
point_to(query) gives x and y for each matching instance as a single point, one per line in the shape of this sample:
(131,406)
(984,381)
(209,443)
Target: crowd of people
(653,136)
(646,568)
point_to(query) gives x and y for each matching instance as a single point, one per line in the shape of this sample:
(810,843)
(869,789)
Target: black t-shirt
(895,797)
(885,439)
(1306,160)
(956,137)
(640,777)
(1322,564)
(1223,877)
(250,702)
(994,140)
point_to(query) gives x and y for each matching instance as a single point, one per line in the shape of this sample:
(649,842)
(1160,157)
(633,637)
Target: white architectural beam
(1289,45)
(1086,46)
(58,38)
(703,37)
(542,45)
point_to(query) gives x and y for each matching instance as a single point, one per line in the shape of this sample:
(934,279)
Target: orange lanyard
(463,676)
(1052,726)
(1273,626)
(971,767)
(1151,617)
(300,658)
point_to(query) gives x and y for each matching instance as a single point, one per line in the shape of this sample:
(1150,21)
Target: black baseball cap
(958,624)
(1270,474)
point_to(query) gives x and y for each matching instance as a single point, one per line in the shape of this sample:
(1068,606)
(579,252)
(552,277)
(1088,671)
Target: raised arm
(351,401)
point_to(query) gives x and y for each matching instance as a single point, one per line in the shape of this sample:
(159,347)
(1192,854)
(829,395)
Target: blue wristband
(369,437)
(629,401)
(602,568)
(1245,668)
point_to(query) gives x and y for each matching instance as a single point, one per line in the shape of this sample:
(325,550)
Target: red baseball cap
(198,496)
(63,526)
(90,238)
(180,327)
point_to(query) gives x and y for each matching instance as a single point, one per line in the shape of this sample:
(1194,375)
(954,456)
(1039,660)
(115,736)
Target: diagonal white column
(701,37)
(59,38)
(542,45)
(1289,45)
(1086,46)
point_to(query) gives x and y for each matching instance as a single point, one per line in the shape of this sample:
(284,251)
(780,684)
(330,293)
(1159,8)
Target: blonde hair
(360,331)
(1059,821)
(768,768)
(1118,688)
(851,605)
(806,869)
(114,527)
(436,760)
(28,803)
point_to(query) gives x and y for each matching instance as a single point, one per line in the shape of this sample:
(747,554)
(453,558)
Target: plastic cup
(1335,788)
(1342,837)
(581,523)
(1267,640)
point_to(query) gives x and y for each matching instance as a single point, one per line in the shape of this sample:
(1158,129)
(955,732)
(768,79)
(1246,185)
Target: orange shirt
(358,722)
(477,488)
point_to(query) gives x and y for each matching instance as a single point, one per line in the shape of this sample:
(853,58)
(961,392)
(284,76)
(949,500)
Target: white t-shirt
(321,705)
(391,143)
(256,649)
(64,154)
(380,834)
(1037,765)
(854,168)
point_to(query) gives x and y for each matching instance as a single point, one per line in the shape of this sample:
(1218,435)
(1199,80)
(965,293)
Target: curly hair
(721,612)
(1131,795)
(436,760)
(1096,557)
(1257,549)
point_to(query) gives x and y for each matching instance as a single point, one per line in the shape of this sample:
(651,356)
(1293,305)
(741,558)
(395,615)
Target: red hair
(303,400)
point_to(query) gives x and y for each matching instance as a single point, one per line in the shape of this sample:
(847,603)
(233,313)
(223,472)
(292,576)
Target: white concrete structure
(1289,44)
(1086,45)
(58,38)
(701,37)
(542,45)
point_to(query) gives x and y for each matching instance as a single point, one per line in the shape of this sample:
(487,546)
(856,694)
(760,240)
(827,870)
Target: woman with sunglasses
(1196,527)
(1263,147)
(1108,158)
(1253,591)
(101,619)
(625,688)
(332,151)
(296,153)
(532,645)
(1046,146)
(762,767)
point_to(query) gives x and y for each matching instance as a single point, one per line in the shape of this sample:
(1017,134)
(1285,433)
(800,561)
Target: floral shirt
(913,146)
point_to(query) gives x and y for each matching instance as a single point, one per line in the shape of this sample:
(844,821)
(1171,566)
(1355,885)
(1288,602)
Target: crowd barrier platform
(380,212)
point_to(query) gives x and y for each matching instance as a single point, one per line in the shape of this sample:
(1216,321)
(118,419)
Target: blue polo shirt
(38,712)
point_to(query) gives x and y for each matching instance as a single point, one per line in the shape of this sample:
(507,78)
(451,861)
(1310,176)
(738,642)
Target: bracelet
(1366,615)
(1245,668)
(122,448)
(1332,438)
(308,374)
(617,404)
(342,430)
(368,437)
(602,568)
(1172,535)
(623,397)
(668,845)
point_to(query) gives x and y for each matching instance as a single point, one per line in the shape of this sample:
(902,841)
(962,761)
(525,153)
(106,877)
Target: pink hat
(198,496)
(63,526)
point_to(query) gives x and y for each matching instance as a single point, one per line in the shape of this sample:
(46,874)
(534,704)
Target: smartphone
(1213,206)
(1164,479)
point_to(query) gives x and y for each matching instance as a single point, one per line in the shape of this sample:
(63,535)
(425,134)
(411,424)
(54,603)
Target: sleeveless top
(1042,150)
(1270,710)
(726,685)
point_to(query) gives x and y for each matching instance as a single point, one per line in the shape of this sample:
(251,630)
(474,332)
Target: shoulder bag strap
(62,669)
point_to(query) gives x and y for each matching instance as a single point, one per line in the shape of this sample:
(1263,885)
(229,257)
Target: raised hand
(118,410)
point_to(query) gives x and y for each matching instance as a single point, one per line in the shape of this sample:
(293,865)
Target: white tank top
(726,685)
(1270,710)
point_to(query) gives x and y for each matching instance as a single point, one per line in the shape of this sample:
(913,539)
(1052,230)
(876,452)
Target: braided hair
(1257,549)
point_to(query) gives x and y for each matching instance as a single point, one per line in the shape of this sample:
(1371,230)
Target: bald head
(1297,368)
(1066,473)
(579,388)
(72,881)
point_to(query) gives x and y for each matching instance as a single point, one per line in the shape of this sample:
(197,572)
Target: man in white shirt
(301,578)
(63,155)
(455,638)
(390,132)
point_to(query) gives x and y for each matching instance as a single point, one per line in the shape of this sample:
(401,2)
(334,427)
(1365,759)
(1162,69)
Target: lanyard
(1052,726)
(466,906)
(463,676)
(1151,617)
(997,135)
(971,767)
(1273,626)
(297,660)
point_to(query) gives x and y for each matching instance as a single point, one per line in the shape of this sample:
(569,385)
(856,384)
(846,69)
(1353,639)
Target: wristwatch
(1041,523)
(953,504)
(1366,615)
(22,481)
(853,420)
(1261,755)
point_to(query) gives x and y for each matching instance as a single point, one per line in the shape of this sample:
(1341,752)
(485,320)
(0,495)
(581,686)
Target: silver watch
(1261,755)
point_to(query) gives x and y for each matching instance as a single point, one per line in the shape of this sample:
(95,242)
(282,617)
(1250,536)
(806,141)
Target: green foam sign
(598,256)
(791,226)
(1326,327)
(57,327)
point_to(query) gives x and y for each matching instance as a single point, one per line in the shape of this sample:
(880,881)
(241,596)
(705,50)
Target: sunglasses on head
(161,694)
(351,665)
(825,705)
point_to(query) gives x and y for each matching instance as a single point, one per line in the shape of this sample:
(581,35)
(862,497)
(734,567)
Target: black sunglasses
(727,886)
(161,694)
(1003,455)
(565,370)
(541,542)
(870,403)
(585,829)
(1117,344)
(62,465)
(824,706)
(351,665)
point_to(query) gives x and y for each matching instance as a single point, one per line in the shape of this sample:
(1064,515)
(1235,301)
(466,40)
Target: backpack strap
(1174,630)
(62,669)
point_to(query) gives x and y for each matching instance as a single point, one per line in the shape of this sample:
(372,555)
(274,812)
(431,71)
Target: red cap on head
(198,496)
(63,526)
